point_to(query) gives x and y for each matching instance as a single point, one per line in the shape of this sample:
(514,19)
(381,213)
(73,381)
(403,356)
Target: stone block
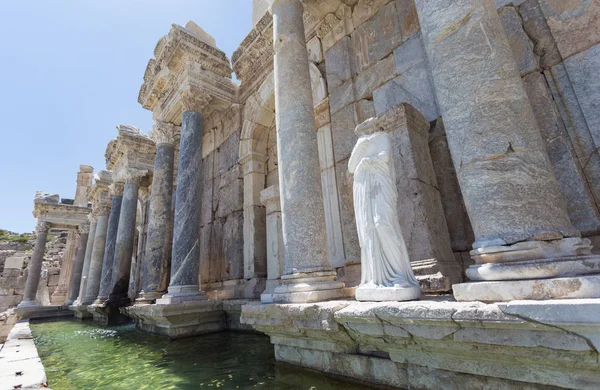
(217,261)
(536,27)
(409,19)
(459,226)
(345,182)
(580,204)
(343,123)
(365,9)
(229,152)
(231,197)
(373,77)
(574,24)
(504,3)
(233,245)
(14,263)
(337,63)
(205,258)
(376,38)
(206,212)
(208,167)
(521,45)
(365,109)
(413,86)
(341,96)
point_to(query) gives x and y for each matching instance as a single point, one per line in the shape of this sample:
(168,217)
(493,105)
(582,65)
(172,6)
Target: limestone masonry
(236,210)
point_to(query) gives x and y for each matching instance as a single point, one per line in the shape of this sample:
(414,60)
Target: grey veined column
(154,268)
(116,191)
(35,267)
(307,275)
(184,284)
(86,262)
(522,229)
(125,237)
(75,281)
(95,271)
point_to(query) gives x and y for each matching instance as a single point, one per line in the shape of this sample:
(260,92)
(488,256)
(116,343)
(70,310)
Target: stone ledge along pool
(81,355)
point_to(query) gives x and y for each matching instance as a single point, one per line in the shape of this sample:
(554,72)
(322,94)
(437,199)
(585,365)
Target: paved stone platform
(20,364)
(431,343)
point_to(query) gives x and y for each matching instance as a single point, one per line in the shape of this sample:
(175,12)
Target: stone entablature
(131,155)
(61,216)
(185,65)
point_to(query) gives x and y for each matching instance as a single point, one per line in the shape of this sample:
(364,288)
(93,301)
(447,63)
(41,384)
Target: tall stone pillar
(116,191)
(308,276)
(94,274)
(87,260)
(522,229)
(185,259)
(75,282)
(35,267)
(275,256)
(157,253)
(121,267)
(84,181)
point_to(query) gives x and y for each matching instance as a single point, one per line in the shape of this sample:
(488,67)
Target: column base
(26,304)
(539,289)
(383,294)
(81,312)
(58,297)
(308,287)
(146,298)
(181,294)
(99,301)
(41,312)
(177,320)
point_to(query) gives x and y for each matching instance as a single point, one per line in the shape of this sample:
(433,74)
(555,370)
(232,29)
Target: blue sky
(70,71)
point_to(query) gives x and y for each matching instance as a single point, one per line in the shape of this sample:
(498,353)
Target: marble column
(96,258)
(185,259)
(75,282)
(35,266)
(116,191)
(522,229)
(156,257)
(308,276)
(121,267)
(86,262)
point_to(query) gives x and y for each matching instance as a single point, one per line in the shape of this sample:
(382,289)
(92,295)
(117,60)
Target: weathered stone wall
(221,237)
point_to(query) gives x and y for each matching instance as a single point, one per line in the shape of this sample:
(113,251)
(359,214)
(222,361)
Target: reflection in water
(84,356)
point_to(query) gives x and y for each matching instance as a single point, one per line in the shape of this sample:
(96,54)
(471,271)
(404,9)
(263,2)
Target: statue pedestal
(381,294)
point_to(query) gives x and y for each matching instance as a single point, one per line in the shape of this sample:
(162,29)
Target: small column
(121,267)
(156,258)
(275,255)
(99,245)
(522,229)
(87,260)
(84,231)
(185,259)
(116,191)
(308,277)
(35,267)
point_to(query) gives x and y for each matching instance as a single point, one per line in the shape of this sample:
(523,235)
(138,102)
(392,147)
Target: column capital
(253,163)
(134,176)
(193,100)
(144,194)
(117,188)
(271,199)
(165,133)
(84,228)
(43,226)
(101,208)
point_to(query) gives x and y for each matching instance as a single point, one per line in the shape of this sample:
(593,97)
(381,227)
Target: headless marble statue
(385,266)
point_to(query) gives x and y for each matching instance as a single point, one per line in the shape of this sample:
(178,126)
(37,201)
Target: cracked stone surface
(542,343)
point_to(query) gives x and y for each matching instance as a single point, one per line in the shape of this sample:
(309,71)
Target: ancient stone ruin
(236,210)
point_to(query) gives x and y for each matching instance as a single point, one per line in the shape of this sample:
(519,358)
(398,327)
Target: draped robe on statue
(384,257)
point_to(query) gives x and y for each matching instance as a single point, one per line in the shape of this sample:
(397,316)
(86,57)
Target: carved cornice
(182,59)
(165,133)
(133,176)
(194,100)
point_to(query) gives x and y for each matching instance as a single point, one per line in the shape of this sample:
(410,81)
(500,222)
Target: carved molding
(117,188)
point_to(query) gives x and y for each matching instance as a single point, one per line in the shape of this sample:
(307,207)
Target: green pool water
(85,356)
